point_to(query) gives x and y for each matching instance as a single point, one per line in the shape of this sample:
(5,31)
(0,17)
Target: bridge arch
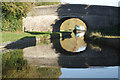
(58,44)
(45,18)
(59,24)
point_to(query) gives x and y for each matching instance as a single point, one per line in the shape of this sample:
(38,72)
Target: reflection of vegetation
(49,72)
(94,47)
(12,62)
(14,66)
(43,41)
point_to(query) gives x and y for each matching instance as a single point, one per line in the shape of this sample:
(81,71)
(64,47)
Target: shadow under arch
(55,39)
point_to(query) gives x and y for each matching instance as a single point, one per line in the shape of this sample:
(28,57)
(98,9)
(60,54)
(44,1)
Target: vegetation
(12,62)
(46,3)
(13,12)
(99,35)
(111,32)
(49,72)
(13,36)
(14,66)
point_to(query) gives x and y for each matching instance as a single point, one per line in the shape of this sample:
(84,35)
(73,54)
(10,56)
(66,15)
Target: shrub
(12,13)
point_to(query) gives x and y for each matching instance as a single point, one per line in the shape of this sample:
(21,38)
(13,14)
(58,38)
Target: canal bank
(36,39)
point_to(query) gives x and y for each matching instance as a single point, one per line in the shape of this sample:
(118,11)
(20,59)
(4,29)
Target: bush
(12,13)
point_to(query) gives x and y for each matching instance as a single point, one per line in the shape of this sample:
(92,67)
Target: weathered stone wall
(42,18)
(39,23)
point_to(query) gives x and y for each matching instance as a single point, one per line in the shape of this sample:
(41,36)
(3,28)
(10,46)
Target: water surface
(69,56)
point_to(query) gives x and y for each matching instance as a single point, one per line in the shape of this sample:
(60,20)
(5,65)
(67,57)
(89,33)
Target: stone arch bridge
(47,18)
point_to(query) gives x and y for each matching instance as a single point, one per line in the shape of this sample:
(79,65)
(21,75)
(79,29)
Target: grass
(99,35)
(112,32)
(13,36)
(47,3)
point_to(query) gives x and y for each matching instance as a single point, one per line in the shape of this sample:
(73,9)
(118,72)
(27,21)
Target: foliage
(12,13)
(14,66)
(12,60)
(46,3)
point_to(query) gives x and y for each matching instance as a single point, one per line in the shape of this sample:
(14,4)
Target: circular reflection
(73,38)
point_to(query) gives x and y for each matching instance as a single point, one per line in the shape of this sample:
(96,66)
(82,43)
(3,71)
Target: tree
(12,13)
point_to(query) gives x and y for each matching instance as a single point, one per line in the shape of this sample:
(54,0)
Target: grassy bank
(112,32)
(101,33)
(13,36)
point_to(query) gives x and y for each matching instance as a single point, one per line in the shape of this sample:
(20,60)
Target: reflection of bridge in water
(54,55)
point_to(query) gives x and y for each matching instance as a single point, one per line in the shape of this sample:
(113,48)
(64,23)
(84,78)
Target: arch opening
(77,29)
(71,39)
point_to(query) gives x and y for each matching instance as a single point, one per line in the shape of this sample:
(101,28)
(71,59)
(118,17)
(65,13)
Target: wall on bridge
(44,18)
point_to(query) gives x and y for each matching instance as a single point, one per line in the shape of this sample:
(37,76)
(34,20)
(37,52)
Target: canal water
(67,55)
